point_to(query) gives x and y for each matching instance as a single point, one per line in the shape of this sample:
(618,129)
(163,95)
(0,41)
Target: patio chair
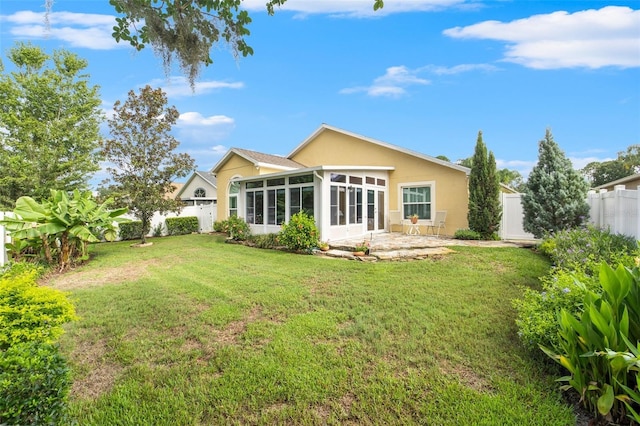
(438,222)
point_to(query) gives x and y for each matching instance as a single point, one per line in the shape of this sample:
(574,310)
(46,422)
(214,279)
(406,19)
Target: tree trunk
(64,251)
(47,248)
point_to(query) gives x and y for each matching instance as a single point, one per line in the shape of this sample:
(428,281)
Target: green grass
(192,331)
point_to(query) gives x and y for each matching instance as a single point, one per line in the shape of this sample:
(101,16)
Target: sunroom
(345,201)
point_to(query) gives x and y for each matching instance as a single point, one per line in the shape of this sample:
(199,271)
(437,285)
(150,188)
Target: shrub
(29,312)
(220,226)
(131,230)
(577,254)
(265,241)
(300,234)
(158,230)
(466,234)
(237,228)
(537,312)
(34,384)
(589,343)
(15,269)
(182,225)
(583,249)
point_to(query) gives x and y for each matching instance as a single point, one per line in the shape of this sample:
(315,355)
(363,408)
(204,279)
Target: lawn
(192,331)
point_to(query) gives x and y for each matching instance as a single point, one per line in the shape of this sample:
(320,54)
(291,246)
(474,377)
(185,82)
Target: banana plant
(62,226)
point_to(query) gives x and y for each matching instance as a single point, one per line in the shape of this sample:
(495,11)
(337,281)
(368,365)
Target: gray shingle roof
(276,160)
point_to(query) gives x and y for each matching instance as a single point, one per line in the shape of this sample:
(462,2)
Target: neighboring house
(176,188)
(629,182)
(200,189)
(351,184)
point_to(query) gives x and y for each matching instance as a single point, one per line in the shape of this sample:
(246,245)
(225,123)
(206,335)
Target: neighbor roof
(324,127)
(208,177)
(620,181)
(259,159)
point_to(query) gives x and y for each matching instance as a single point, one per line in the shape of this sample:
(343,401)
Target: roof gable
(206,176)
(259,159)
(326,127)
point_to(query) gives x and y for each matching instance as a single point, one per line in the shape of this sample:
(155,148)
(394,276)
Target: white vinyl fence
(512,215)
(206,215)
(617,210)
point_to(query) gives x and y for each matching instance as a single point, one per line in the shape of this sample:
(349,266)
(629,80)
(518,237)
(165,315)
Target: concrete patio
(399,246)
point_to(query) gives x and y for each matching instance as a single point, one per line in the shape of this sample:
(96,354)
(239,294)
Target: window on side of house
(338,205)
(416,200)
(234,189)
(275,206)
(355,205)
(200,193)
(255,207)
(301,199)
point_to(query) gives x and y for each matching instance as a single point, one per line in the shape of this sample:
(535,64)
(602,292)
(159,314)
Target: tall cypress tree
(485,210)
(555,195)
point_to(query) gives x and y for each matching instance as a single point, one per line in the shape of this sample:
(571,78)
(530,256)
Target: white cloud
(397,79)
(197,119)
(357,8)
(393,83)
(457,69)
(195,129)
(178,86)
(590,38)
(580,162)
(87,30)
(522,166)
(219,149)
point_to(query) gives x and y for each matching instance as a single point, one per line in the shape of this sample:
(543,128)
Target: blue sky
(422,74)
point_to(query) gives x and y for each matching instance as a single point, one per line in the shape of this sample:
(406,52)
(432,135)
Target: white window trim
(430,183)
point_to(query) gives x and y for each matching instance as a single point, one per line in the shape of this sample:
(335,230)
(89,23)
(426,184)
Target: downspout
(320,219)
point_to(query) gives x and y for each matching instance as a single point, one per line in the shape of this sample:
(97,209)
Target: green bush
(467,234)
(158,230)
(265,241)
(300,234)
(130,230)
(236,228)
(29,312)
(182,225)
(576,254)
(583,249)
(34,384)
(537,312)
(590,342)
(220,225)
(16,269)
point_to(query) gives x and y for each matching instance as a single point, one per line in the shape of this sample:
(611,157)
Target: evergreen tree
(555,195)
(485,210)
(142,153)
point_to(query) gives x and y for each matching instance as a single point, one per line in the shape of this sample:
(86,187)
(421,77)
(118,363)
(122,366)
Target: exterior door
(375,210)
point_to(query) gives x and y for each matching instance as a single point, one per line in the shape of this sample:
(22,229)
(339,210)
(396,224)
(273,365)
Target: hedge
(182,225)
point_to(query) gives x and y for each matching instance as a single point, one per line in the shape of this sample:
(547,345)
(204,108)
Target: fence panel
(206,215)
(511,227)
(617,210)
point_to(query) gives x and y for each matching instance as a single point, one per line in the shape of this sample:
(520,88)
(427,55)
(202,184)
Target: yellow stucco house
(351,184)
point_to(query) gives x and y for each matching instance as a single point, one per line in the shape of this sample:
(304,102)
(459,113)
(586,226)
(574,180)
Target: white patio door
(375,210)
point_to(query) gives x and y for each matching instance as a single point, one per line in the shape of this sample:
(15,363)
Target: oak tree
(142,155)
